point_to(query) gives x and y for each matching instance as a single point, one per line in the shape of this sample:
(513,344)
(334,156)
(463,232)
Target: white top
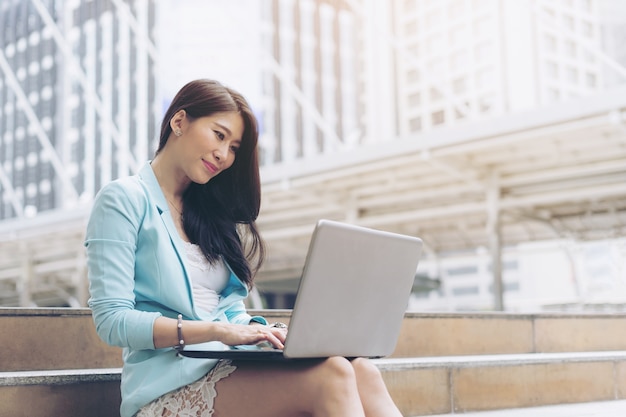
(207,279)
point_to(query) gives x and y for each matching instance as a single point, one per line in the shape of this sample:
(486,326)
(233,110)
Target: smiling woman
(172,253)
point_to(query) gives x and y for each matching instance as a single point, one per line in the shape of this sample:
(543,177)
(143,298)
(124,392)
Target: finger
(275,340)
(280,334)
(267,334)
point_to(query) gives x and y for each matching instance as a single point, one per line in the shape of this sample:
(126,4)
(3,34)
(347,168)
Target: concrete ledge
(395,364)
(60,377)
(64,338)
(592,409)
(458,384)
(47,339)
(420,386)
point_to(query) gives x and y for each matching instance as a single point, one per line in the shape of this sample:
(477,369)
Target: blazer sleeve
(110,241)
(237,313)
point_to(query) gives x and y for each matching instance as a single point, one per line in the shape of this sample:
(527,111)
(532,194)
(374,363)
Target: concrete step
(68,393)
(459,384)
(41,339)
(593,409)
(446,334)
(58,338)
(420,386)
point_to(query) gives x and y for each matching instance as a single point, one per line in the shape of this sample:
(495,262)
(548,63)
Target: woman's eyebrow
(225,128)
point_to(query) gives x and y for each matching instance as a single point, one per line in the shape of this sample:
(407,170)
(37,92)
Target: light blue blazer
(137,272)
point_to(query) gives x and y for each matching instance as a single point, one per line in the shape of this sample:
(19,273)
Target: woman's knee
(338,368)
(335,376)
(365,369)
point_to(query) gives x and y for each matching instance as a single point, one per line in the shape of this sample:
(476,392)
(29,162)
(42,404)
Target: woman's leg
(325,388)
(372,390)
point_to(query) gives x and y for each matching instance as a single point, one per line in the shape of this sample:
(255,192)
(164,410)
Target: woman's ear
(176,122)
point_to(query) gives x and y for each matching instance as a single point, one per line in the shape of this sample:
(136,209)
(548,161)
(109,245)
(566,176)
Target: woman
(172,253)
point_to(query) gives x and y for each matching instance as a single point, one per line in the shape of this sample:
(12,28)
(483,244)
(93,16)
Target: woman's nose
(220,151)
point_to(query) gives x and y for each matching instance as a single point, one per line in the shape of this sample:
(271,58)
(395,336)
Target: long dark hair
(219,216)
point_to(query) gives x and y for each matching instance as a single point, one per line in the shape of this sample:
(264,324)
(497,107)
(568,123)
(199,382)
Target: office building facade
(313,81)
(464,60)
(77,88)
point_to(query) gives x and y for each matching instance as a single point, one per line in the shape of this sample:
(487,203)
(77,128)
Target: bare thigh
(273,389)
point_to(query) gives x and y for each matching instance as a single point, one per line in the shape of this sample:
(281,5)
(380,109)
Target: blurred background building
(493,129)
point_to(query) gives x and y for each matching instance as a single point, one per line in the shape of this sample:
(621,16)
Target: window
(456,9)
(461,110)
(572,74)
(462,270)
(507,287)
(409,5)
(510,265)
(550,42)
(553,94)
(484,78)
(459,86)
(483,51)
(438,118)
(433,20)
(459,59)
(586,5)
(434,44)
(568,22)
(410,27)
(552,69)
(415,99)
(415,124)
(435,94)
(591,80)
(570,49)
(464,291)
(459,35)
(436,67)
(587,29)
(413,76)
(486,103)
(482,26)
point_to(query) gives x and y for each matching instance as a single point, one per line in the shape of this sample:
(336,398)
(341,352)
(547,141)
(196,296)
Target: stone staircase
(53,364)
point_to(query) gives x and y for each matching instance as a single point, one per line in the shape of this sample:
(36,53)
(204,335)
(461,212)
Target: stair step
(45,339)
(56,338)
(420,386)
(73,392)
(593,409)
(446,334)
(458,384)
(60,377)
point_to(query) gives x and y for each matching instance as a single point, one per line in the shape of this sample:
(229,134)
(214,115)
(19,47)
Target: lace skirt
(195,399)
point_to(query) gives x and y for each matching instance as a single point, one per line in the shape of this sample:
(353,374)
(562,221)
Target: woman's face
(209,144)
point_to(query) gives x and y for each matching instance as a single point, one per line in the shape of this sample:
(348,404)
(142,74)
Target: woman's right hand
(196,331)
(243,334)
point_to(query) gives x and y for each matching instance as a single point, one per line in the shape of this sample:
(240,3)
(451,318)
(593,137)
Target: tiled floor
(596,409)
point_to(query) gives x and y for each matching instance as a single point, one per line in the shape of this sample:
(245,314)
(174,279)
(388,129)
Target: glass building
(470,59)
(75,77)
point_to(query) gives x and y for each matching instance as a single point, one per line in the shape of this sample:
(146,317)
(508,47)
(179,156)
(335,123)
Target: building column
(25,281)
(494,238)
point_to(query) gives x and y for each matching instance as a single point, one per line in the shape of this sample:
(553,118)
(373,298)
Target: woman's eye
(219,134)
(234,149)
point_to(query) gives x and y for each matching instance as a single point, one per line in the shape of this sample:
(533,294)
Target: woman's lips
(210,166)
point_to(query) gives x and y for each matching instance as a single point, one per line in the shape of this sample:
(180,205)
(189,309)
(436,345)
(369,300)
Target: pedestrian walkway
(594,409)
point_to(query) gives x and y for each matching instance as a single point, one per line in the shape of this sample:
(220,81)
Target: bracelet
(179,327)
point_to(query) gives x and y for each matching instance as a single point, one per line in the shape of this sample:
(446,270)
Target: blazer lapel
(147,175)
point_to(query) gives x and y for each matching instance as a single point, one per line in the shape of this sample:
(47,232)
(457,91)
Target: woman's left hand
(241,334)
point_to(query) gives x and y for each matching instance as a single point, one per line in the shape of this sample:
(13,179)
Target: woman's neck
(169,178)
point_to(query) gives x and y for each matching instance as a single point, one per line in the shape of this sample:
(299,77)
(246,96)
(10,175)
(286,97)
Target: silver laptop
(352,296)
